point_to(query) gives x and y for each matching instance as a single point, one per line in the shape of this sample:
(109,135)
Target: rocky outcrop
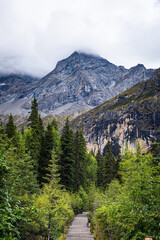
(130,117)
(79,82)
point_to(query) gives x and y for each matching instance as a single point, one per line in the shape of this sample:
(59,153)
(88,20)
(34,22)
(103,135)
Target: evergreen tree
(37,131)
(91,170)
(22,176)
(109,166)
(34,117)
(53,170)
(56,139)
(22,130)
(100,168)
(11,212)
(54,124)
(11,128)
(117,164)
(50,141)
(45,156)
(80,160)
(67,158)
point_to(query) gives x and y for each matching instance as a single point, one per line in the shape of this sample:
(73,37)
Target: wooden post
(148,238)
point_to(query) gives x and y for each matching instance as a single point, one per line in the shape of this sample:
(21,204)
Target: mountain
(79,82)
(132,116)
(13,85)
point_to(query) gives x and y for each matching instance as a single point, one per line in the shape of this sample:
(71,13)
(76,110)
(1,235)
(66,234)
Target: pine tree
(80,160)
(37,132)
(109,166)
(67,158)
(56,139)
(50,141)
(22,130)
(11,128)
(54,124)
(117,164)
(53,175)
(22,173)
(46,154)
(34,117)
(100,166)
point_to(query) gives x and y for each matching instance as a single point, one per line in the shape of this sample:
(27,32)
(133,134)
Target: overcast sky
(35,34)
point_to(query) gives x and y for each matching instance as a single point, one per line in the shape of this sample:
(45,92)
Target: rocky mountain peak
(81,60)
(78,83)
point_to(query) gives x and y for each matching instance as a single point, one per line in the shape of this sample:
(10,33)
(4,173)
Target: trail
(79,229)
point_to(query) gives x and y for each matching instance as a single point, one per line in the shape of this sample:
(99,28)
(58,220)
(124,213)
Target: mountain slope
(12,85)
(132,115)
(78,82)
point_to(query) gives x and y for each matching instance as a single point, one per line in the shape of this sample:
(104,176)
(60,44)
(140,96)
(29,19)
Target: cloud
(35,34)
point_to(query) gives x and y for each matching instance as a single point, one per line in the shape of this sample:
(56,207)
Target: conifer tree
(109,166)
(67,158)
(80,160)
(22,130)
(46,153)
(91,170)
(56,139)
(11,128)
(54,124)
(50,141)
(100,166)
(37,130)
(22,174)
(34,117)
(53,170)
(117,164)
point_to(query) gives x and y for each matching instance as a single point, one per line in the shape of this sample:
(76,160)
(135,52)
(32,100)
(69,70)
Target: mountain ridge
(79,82)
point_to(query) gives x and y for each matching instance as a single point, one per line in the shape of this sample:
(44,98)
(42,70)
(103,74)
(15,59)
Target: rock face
(12,85)
(129,117)
(78,83)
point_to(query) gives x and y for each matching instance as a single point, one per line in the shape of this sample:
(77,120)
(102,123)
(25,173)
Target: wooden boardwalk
(79,230)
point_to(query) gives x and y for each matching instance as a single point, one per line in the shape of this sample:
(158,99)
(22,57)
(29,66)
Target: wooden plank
(79,230)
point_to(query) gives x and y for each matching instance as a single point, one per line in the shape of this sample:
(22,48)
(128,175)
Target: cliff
(129,117)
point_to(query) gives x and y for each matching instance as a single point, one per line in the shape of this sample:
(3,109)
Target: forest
(47,177)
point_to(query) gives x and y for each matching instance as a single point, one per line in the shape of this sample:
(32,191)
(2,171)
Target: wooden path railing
(79,229)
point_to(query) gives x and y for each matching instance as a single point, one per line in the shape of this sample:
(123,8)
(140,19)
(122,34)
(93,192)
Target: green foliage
(91,169)
(100,168)
(108,170)
(124,206)
(10,127)
(131,210)
(53,170)
(54,209)
(11,211)
(45,155)
(80,160)
(37,130)
(84,200)
(21,176)
(67,158)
